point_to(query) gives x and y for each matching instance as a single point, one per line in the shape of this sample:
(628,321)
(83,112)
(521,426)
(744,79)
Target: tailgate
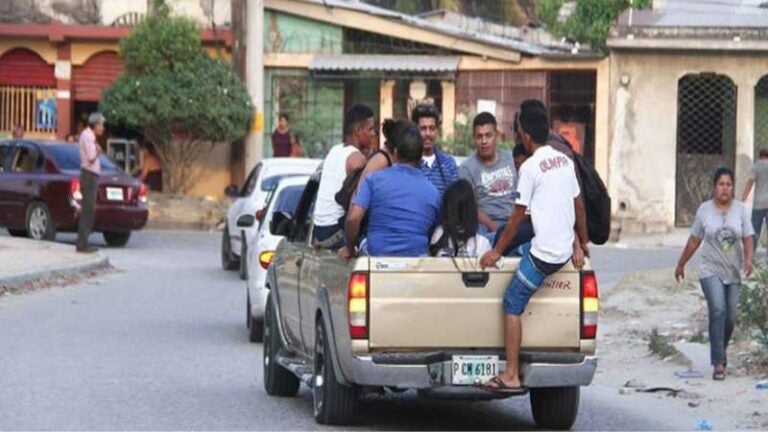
(425,303)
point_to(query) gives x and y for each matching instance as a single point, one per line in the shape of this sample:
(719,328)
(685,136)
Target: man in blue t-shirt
(401,203)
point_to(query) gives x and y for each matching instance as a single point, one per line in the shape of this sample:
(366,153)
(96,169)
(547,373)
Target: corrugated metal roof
(447,29)
(384,62)
(701,13)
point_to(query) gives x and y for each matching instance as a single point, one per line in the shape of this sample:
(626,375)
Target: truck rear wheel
(334,403)
(278,381)
(555,407)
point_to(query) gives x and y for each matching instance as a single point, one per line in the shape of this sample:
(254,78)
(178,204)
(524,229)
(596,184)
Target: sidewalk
(676,238)
(25,260)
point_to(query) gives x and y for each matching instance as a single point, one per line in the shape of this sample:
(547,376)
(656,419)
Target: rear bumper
(433,370)
(109,217)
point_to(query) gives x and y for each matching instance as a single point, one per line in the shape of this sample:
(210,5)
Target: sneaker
(86,249)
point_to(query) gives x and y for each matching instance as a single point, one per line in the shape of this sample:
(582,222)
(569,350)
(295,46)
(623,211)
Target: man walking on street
(439,167)
(90,168)
(758,177)
(549,190)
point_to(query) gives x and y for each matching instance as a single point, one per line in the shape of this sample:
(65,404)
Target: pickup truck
(434,325)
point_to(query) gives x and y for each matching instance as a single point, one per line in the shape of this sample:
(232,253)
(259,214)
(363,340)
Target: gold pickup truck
(434,325)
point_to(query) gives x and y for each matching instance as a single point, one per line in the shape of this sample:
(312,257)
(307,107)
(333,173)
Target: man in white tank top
(342,159)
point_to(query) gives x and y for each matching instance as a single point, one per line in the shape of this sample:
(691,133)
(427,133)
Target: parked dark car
(40,193)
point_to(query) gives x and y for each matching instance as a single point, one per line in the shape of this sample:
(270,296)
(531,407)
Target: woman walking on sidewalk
(724,227)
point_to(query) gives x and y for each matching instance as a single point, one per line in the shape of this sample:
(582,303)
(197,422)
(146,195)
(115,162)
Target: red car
(40,193)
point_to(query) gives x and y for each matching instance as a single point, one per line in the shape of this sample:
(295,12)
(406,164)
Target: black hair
(482,119)
(409,144)
(425,111)
(519,150)
(722,171)
(284,115)
(458,216)
(536,124)
(529,105)
(390,129)
(355,115)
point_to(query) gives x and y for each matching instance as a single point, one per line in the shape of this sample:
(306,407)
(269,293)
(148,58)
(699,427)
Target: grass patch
(660,345)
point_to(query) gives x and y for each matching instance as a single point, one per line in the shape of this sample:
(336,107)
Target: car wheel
(228,262)
(278,381)
(17,232)
(255,327)
(555,407)
(39,222)
(243,259)
(334,403)
(116,239)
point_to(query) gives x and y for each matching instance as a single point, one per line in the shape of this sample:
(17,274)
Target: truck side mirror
(281,224)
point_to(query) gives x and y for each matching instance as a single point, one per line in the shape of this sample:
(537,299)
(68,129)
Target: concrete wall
(643,124)
(215,171)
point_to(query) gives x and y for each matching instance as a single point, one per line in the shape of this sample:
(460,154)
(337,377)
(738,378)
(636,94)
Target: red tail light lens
(143,193)
(357,294)
(74,189)
(265,259)
(589,305)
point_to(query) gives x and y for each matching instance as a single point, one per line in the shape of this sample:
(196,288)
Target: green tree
(589,23)
(180,99)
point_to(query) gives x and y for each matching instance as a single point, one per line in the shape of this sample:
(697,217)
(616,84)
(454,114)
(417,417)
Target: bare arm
(352,230)
(355,161)
(581,222)
(376,163)
(510,231)
(748,242)
(747,189)
(690,248)
(486,220)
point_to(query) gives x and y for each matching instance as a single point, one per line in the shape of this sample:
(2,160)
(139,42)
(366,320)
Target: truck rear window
(67,157)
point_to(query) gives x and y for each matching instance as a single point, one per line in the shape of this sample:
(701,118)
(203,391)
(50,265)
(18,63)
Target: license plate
(473,370)
(114,194)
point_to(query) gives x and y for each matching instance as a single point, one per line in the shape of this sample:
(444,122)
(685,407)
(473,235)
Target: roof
(384,62)
(444,28)
(721,25)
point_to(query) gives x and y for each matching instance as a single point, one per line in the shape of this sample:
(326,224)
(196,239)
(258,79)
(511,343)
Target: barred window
(706,138)
(761,115)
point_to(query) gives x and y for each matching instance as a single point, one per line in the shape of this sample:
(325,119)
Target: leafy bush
(753,306)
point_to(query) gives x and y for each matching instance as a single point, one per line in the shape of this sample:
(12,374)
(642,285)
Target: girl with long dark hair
(457,234)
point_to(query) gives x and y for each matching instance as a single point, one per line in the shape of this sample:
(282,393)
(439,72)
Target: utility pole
(254,78)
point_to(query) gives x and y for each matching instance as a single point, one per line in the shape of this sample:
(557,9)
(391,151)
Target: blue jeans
(723,304)
(758,217)
(524,235)
(329,237)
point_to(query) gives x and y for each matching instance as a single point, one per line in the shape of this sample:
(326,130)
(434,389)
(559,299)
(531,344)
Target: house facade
(689,93)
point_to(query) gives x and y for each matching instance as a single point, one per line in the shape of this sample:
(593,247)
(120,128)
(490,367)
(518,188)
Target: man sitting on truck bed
(402,205)
(548,187)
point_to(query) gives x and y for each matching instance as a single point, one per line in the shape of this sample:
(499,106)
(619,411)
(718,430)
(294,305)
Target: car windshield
(270,183)
(67,157)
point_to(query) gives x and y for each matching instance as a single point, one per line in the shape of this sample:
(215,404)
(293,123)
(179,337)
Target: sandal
(718,376)
(500,387)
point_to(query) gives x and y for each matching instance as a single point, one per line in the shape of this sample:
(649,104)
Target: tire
(334,403)
(116,239)
(39,222)
(228,262)
(17,232)
(255,327)
(555,407)
(278,381)
(243,259)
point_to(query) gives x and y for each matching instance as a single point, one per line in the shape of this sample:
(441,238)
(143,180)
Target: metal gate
(706,138)
(761,115)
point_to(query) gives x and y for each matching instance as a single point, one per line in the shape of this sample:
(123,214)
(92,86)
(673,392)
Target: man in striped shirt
(440,168)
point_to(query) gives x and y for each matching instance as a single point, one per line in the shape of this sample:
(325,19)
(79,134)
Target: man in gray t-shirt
(758,177)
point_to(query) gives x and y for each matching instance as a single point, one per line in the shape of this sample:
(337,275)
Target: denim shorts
(528,278)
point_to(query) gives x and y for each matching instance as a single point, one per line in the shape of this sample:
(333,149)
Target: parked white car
(252,198)
(281,203)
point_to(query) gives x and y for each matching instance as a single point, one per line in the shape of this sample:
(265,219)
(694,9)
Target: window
(250,183)
(67,158)
(761,114)
(5,156)
(304,210)
(26,160)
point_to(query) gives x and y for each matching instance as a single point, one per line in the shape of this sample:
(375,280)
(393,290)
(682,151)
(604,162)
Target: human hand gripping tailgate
(429,303)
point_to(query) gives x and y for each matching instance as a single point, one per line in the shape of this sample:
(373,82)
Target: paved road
(160,344)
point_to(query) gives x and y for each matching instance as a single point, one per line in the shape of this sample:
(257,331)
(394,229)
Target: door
(22,182)
(6,154)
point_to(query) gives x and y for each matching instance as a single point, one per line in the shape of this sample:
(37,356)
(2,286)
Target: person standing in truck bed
(549,190)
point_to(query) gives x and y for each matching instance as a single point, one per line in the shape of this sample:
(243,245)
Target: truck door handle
(475,279)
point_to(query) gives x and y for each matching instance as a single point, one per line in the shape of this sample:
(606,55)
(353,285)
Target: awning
(384,62)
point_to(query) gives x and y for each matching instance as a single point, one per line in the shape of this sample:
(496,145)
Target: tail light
(143,193)
(74,189)
(357,293)
(589,305)
(265,259)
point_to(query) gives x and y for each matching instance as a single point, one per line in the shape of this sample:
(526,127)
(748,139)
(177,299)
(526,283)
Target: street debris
(762,385)
(704,425)
(689,374)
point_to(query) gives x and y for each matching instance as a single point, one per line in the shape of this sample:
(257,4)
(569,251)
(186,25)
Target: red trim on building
(58,32)
(22,67)
(98,73)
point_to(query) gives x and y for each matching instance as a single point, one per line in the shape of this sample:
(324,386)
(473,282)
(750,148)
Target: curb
(62,271)
(180,226)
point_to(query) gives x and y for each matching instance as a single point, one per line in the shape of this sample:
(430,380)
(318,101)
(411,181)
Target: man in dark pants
(90,167)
